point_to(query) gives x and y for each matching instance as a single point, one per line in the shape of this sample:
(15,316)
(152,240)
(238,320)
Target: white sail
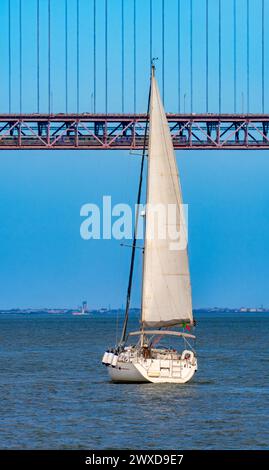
(166,293)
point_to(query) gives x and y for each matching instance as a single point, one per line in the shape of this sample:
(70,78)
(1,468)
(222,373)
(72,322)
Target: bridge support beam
(126,131)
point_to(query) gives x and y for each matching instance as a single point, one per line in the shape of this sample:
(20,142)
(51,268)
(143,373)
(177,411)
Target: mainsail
(166,293)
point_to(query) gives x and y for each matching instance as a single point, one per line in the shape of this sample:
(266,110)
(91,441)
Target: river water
(55,394)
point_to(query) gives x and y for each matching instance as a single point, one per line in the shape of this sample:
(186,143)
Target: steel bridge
(126,132)
(91,59)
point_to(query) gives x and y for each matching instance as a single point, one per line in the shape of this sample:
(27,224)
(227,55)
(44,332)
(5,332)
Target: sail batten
(166,293)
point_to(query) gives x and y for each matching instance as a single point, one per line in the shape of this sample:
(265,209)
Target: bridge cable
(20,35)
(206,53)
(49,56)
(263,56)
(178,53)
(247,56)
(66,57)
(9,57)
(38,55)
(220,51)
(94,56)
(191,55)
(78,61)
(235,57)
(122,56)
(106,65)
(134,58)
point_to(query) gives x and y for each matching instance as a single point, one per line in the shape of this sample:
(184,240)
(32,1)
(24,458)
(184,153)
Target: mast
(130,282)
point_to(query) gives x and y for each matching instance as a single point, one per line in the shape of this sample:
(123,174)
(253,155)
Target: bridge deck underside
(126,132)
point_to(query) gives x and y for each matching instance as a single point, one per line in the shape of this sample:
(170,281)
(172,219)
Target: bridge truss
(126,131)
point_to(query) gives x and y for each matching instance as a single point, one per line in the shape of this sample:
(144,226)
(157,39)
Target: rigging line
(220,51)
(9,56)
(263,56)
(20,34)
(49,57)
(122,55)
(106,70)
(38,55)
(163,39)
(247,56)
(235,57)
(178,53)
(66,56)
(191,58)
(129,290)
(206,55)
(134,13)
(78,61)
(94,56)
(117,328)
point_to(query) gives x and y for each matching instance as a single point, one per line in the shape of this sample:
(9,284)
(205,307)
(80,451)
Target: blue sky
(172,37)
(44,262)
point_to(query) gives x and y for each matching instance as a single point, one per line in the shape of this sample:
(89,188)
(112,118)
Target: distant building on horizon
(85,306)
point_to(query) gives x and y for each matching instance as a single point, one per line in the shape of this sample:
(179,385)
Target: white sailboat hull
(125,373)
(138,369)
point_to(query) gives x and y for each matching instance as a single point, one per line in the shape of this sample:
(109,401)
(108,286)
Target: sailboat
(166,307)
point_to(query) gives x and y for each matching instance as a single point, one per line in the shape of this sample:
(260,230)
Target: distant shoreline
(62,311)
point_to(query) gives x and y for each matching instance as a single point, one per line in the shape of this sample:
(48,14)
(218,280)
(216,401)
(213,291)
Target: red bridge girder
(126,131)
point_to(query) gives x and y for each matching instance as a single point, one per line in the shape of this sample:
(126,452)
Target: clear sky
(44,262)
(177,52)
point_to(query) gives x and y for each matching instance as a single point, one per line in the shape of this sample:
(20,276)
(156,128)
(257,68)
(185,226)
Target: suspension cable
(38,55)
(20,35)
(66,56)
(122,56)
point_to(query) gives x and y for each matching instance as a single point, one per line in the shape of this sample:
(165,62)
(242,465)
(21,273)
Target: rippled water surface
(56,394)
